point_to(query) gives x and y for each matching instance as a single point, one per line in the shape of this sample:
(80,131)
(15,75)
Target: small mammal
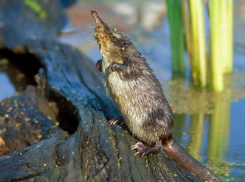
(138,95)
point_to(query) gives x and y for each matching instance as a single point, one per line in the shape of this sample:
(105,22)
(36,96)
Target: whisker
(90,28)
(91,41)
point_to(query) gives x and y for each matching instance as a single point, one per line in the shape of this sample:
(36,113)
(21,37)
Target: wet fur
(136,91)
(139,96)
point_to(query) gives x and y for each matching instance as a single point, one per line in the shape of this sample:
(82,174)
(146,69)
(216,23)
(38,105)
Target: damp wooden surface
(69,83)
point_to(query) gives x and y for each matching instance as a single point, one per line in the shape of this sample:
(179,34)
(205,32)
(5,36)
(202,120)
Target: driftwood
(69,94)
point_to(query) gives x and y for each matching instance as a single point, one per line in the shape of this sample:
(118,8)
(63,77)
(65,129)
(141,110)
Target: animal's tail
(183,158)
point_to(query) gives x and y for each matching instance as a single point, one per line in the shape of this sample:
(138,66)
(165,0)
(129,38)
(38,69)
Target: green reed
(199,71)
(207,68)
(221,41)
(176,38)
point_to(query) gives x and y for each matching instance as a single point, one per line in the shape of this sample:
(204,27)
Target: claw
(117,120)
(133,147)
(112,122)
(143,150)
(137,153)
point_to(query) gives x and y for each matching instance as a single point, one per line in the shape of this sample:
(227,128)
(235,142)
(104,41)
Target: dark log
(70,90)
(22,124)
(30,19)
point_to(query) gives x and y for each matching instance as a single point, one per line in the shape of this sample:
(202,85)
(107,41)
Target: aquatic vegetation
(205,72)
(221,41)
(33,4)
(177,37)
(199,70)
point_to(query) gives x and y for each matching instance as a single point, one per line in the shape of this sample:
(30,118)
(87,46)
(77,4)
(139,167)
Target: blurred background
(197,51)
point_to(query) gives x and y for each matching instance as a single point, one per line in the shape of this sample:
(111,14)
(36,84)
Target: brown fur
(138,95)
(136,91)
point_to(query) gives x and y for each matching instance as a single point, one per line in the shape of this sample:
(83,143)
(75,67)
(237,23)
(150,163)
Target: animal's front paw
(112,67)
(117,120)
(117,67)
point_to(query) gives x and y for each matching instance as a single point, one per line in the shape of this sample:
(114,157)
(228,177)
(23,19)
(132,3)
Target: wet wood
(93,150)
(22,124)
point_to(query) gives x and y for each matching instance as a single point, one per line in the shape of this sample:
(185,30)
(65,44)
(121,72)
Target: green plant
(176,38)
(190,15)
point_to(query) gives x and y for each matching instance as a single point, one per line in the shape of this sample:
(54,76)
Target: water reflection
(196,135)
(179,123)
(216,139)
(7,89)
(219,127)
(12,79)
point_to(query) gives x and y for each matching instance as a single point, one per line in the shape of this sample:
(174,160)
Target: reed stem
(187,26)
(199,72)
(176,37)
(229,13)
(221,41)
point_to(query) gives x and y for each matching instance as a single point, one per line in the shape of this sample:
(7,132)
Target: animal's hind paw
(143,150)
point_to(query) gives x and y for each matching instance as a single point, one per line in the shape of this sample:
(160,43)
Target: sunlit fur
(136,92)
